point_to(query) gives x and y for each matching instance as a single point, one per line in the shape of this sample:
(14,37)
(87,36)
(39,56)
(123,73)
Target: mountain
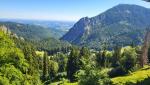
(32,32)
(39,37)
(121,25)
(61,27)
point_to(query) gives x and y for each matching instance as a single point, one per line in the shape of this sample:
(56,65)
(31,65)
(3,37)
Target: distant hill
(60,26)
(32,32)
(40,37)
(121,25)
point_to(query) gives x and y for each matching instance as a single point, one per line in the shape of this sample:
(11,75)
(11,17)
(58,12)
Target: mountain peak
(128,6)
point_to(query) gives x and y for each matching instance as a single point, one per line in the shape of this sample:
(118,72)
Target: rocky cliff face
(4,29)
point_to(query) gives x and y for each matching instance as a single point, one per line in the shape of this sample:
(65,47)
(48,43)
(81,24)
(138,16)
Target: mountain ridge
(127,21)
(32,32)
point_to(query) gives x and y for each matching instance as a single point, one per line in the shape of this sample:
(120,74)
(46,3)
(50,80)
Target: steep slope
(122,25)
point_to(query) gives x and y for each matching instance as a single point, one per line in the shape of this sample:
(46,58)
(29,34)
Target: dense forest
(22,63)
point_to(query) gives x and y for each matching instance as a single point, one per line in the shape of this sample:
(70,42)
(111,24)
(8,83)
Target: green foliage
(14,75)
(127,61)
(10,54)
(93,76)
(14,66)
(45,67)
(129,58)
(103,59)
(61,59)
(31,32)
(21,64)
(89,74)
(61,76)
(52,69)
(85,58)
(50,44)
(33,60)
(133,78)
(4,81)
(116,56)
(73,64)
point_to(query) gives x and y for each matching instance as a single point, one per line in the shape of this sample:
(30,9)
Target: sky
(62,10)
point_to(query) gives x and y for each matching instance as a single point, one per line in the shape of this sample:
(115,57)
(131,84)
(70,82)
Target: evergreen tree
(101,58)
(84,57)
(73,64)
(52,69)
(45,66)
(84,52)
(62,61)
(116,56)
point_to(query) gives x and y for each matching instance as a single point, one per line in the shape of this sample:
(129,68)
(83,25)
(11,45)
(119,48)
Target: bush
(127,62)
(93,77)
(61,76)
(128,59)
(117,72)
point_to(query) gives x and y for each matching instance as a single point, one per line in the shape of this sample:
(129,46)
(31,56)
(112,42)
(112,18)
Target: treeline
(20,65)
(51,45)
(91,67)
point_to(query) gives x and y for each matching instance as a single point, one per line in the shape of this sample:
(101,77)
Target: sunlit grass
(133,78)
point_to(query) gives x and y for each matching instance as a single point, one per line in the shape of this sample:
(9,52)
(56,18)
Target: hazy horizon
(58,10)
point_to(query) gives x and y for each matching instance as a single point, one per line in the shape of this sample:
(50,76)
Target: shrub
(117,72)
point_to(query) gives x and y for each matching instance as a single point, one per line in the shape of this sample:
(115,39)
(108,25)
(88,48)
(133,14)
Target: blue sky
(66,10)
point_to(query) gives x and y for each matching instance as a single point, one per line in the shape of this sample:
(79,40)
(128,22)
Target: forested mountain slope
(122,25)
(31,32)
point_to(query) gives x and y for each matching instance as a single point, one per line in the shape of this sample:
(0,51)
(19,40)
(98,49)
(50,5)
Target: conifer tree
(73,64)
(116,56)
(45,66)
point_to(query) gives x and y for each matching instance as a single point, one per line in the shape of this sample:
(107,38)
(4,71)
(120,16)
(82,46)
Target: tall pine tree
(45,66)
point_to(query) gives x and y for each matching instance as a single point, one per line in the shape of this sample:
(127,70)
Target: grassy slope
(133,78)
(141,75)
